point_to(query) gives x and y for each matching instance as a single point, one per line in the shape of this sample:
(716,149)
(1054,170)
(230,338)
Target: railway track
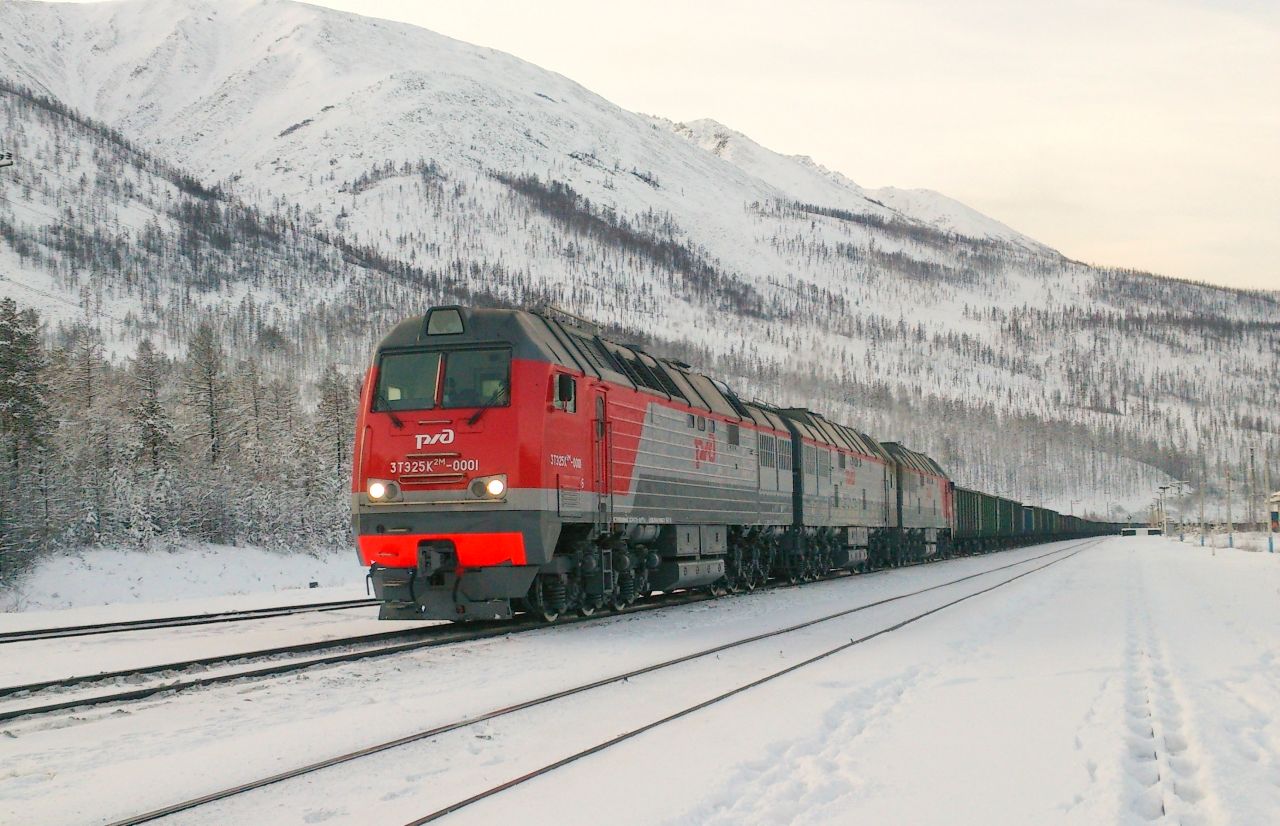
(436,635)
(1060,554)
(178,622)
(440,634)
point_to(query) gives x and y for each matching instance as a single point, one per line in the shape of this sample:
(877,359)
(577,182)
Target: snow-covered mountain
(280,91)
(456,170)
(803,179)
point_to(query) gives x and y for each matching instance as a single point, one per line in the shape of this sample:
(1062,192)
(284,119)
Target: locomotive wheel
(539,610)
(764,564)
(587,609)
(546,599)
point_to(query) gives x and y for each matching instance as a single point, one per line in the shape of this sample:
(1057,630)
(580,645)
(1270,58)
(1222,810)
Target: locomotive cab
(449,495)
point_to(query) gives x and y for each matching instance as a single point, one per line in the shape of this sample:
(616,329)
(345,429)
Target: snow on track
(1138,683)
(1021,705)
(41,660)
(94,629)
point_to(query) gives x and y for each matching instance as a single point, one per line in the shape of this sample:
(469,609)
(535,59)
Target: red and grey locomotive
(511,460)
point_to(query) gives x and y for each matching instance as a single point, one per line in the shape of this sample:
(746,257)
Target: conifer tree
(25,422)
(254,427)
(150,422)
(205,387)
(335,416)
(24,407)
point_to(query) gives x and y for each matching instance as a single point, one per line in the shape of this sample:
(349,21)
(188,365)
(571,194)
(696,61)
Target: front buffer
(465,572)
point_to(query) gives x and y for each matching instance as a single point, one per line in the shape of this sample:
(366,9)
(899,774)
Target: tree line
(162,448)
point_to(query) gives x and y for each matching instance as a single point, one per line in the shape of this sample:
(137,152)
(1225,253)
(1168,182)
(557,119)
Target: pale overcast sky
(1142,134)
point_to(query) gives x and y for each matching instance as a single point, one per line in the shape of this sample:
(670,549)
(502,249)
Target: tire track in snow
(796,780)
(1167,781)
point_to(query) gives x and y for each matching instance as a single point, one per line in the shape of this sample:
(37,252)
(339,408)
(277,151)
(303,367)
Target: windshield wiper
(395,420)
(493,399)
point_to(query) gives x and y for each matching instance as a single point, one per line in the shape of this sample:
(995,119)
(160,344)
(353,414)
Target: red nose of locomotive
(441,498)
(419,467)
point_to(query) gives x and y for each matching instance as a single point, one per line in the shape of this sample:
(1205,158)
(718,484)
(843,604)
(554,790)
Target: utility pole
(1182,509)
(1231,536)
(1253,494)
(1272,501)
(1202,487)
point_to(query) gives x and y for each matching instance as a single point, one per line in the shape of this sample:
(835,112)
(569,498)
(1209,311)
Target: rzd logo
(444,437)
(704,452)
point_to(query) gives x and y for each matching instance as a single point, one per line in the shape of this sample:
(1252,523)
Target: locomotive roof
(821,429)
(557,337)
(914,459)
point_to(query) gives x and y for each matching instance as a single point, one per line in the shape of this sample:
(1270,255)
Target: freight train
(517,461)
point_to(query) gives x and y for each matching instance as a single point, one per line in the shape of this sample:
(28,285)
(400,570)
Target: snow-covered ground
(24,663)
(1137,681)
(1242,540)
(127,584)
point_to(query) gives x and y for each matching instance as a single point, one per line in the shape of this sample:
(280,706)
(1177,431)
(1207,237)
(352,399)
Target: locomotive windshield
(407,381)
(422,380)
(476,377)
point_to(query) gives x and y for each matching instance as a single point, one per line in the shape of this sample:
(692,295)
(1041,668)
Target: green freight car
(985,522)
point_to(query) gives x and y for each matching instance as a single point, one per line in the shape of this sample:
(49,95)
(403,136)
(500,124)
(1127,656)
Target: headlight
(383,491)
(489,487)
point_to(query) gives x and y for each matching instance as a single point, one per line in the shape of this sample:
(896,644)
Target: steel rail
(32,634)
(219,659)
(448,635)
(479,630)
(290,774)
(685,712)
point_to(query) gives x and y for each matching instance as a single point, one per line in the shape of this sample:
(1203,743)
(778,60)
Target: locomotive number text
(435,466)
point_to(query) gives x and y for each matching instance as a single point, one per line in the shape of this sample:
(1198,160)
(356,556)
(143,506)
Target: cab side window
(564,393)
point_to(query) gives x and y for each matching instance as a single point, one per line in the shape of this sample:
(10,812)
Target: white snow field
(113,584)
(1135,681)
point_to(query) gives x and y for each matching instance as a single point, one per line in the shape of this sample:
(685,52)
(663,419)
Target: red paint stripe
(475,550)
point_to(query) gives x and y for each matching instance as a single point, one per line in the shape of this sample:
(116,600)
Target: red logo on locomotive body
(704,452)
